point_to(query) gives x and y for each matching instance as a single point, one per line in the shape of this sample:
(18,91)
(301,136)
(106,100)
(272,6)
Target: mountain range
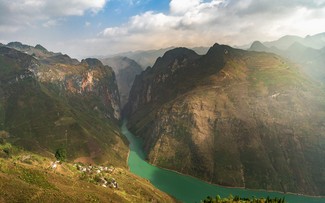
(232,117)
(316,41)
(242,118)
(310,59)
(147,58)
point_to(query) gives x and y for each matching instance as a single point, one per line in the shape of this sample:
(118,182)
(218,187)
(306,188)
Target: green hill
(27,177)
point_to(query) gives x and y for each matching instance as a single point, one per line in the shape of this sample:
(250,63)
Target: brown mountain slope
(232,117)
(44,107)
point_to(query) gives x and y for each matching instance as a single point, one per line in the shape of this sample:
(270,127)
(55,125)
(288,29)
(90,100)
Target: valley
(143,101)
(242,120)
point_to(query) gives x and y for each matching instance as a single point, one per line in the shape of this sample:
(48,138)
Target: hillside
(54,107)
(232,117)
(27,177)
(47,106)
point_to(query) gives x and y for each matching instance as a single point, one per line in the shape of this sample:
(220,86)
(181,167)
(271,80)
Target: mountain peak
(296,45)
(257,46)
(172,55)
(92,62)
(41,48)
(17,45)
(180,51)
(219,50)
(216,45)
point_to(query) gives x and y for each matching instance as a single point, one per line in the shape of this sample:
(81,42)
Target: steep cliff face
(91,81)
(49,105)
(232,117)
(125,69)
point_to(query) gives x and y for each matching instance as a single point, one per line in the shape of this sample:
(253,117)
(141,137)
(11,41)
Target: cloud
(184,23)
(204,22)
(18,14)
(51,23)
(87,24)
(180,7)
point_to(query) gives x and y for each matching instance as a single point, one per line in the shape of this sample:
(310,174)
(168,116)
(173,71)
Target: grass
(35,181)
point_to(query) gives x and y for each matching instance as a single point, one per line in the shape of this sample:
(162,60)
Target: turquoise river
(189,189)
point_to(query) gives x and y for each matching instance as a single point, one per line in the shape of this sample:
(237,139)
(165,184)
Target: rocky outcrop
(46,105)
(232,117)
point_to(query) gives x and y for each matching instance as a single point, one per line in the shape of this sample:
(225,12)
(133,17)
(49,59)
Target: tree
(218,198)
(61,154)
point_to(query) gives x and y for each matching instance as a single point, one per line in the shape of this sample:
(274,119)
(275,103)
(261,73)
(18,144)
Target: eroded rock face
(89,79)
(232,117)
(46,104)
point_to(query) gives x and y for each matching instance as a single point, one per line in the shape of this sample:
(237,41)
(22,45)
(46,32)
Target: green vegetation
(34,177)
(237,199)
(27,177)
(61,154)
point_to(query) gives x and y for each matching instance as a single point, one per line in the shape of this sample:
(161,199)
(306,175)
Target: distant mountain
(310,60)
(148,58)
(52,101)
(315,41)
(258,46)
(284,42)
(128,65)
(232,117)
(125,69)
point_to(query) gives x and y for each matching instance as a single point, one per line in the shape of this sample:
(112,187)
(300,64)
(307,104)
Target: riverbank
(233,187)
(190,189)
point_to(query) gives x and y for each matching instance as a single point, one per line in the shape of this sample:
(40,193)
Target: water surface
(189,189)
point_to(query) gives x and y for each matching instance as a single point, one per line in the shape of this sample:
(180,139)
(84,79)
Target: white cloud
(204,22)
(182,7)
(186,23)
(21,13)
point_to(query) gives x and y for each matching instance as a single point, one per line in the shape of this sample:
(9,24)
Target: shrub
(61,154)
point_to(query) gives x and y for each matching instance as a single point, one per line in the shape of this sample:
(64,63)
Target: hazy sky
(100,27)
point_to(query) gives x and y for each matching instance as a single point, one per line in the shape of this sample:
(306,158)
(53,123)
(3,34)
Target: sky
(83,28)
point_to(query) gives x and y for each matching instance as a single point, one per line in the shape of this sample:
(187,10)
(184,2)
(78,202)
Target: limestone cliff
(232,117)
(53,102)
